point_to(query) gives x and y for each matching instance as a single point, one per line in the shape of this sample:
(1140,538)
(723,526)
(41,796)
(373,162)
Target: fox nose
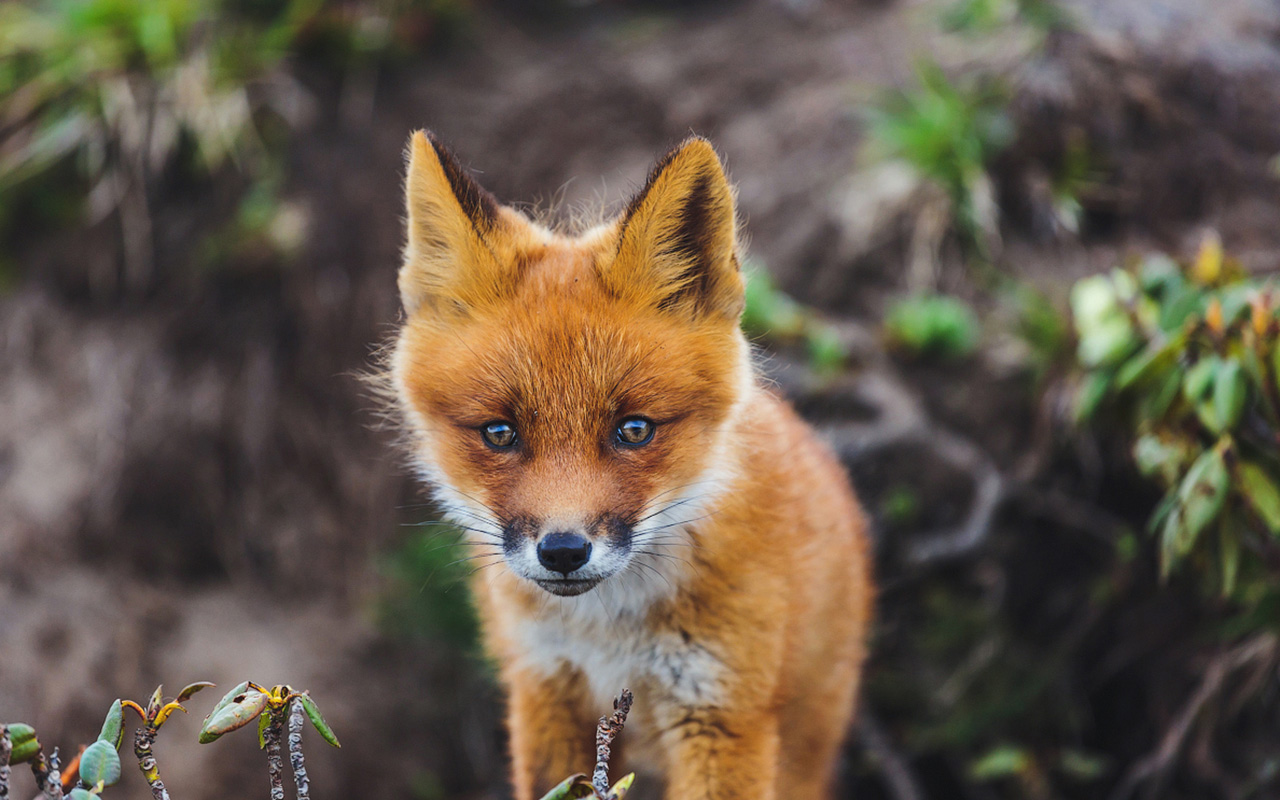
(563,552)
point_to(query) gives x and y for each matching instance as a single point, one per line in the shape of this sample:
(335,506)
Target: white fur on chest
(622,653)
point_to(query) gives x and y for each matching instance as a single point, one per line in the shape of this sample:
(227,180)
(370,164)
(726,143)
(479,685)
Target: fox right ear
(453,227)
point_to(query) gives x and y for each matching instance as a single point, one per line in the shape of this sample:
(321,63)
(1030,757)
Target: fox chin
(584,407)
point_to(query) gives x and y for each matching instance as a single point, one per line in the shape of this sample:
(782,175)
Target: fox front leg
(552,736)
(717,755)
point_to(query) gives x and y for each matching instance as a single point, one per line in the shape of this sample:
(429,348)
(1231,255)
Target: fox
(585,407)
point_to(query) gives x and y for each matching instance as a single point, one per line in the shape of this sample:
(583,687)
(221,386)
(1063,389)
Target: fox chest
(667,666)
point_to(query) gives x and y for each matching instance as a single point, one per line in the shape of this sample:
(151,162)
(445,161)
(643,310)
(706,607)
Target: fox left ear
(678,242)
(456,231)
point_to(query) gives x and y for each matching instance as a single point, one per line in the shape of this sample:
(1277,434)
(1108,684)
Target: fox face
(571,398)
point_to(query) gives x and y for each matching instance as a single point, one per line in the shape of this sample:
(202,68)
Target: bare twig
(901,420)
(606,732)
(988,494)
(1162,759)
(898,777)
(296,760)
(143,739)
(48,775)
(6,748)
(275,761)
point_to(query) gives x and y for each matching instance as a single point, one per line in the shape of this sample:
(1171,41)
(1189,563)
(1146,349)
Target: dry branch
(275,761)
(898,778)
(143,740)
(606,732)
(1158,763)
(6,748)
(48,775)
(297,719)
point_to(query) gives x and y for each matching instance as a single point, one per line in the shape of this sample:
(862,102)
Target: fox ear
(453,228)
(677,244)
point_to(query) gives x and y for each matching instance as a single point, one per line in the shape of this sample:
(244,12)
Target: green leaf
(81,794)
(264,720)
(157,700)
(571,788)
(113,726)
(1199,378)
(933,325)
(100,762)
(619,790)
(1081,765)
(1203,492)
(317,721)
(1146,364)
(1154,405)
(1275,364)
(1090,395)
(1107,342)
(1230,391)
(243,709)
(1002,762)
(191,689)
(1261,492)
(1229,557)
(1169,537)
(227,698)
(1093,300)
(23,739)
(826,352)
(1154,456)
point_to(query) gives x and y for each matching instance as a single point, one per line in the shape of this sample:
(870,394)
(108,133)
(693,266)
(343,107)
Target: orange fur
(733,589)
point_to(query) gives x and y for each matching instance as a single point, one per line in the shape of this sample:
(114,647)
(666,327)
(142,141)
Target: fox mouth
(568,587)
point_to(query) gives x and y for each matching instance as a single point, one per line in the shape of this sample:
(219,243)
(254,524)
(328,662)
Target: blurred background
(1011,256)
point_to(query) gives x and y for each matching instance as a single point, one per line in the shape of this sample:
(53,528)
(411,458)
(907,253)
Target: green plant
(984,16)
(949,131)
(773,315)
(933,325)
(98,764)
(1187,361)
(427,594)
(272,708)
(101,98)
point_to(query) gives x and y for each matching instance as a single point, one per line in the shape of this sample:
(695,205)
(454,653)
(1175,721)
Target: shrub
(949,132)
(1186,362)
(932,325)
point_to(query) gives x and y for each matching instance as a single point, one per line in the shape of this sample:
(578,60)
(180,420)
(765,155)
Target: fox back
(584,407)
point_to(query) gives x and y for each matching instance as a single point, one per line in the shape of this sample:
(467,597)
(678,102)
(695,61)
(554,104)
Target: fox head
(572,399)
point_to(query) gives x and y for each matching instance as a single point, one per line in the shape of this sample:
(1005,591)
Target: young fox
(586,409)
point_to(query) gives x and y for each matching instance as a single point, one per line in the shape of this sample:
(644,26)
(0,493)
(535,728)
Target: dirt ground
(194,482)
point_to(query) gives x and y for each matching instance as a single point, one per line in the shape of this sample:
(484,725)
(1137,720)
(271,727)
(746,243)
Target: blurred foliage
(949,131)
(932,325)
(1185,361)
(427,594)
(985,16)
(772,315)
(1038,324)
(99,98)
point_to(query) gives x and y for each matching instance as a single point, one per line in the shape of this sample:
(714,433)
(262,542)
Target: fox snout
(567,559)
(564,551)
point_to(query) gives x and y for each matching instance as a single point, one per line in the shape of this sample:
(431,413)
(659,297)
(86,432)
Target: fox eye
(635,431)
(499,434)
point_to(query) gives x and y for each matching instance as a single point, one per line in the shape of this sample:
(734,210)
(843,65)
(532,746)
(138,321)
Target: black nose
(563,552)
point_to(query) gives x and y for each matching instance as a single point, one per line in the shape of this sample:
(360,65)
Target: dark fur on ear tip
(657,170)
(480,206)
